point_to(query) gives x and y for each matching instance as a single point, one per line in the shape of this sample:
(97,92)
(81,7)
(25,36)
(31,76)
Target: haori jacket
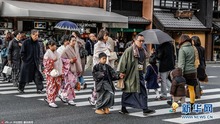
(128,65)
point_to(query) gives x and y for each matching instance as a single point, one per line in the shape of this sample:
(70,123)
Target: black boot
(123,110)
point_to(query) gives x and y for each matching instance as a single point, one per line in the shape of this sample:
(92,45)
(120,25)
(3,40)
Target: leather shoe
(148,111)
(21,91)
(40,92)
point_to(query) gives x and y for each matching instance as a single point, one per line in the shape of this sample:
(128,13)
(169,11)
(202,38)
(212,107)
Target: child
(53,71)
(103,75)
(152,76)
(177,88)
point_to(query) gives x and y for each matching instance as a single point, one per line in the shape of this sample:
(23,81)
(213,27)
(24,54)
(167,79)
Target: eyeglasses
(141,41)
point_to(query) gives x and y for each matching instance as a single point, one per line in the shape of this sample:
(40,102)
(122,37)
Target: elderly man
(131,68)
(90,49)
(30,55)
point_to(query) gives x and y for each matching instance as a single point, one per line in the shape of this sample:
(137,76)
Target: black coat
(14,52)
(166,57)
(104,73)
(90,47)
(30,55)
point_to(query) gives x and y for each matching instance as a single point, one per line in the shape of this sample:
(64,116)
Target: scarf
(136,51)
(53,55)
(70,53)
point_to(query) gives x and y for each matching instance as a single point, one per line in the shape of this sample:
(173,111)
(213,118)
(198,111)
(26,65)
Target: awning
(167,21)
(56,11)
(138,20)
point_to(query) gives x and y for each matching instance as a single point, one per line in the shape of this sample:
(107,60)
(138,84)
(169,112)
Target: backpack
(82,52)
(4,52)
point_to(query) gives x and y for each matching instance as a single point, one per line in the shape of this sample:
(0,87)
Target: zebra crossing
(161,107)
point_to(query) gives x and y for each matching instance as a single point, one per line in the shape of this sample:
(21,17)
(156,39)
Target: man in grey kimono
(132,68)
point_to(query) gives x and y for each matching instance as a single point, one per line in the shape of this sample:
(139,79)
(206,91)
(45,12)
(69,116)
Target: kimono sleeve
(49,65)
(115,75)
(123,63)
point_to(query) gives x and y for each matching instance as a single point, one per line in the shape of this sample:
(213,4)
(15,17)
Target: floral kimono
(53,83)
(71,72)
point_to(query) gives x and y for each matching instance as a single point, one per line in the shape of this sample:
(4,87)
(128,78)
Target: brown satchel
(120,84)
(77,86)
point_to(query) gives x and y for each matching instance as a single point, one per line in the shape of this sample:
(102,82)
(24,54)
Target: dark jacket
(103,75)
(166,57)
(178,83)
(30,55)
(151,77)
(14,52)
(201,74)
(90,47)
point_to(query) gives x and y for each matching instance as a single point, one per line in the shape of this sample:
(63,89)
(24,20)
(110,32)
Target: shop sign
(91,25)
(40,25)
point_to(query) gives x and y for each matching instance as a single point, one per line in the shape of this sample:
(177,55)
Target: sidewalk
(212,62)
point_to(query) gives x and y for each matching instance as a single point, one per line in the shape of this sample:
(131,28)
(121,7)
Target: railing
(178,4)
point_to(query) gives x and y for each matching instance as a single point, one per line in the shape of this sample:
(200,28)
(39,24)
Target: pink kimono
(71,73)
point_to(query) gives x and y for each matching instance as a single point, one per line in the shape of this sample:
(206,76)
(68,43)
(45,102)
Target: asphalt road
(29,108)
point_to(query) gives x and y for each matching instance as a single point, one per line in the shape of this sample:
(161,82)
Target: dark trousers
(37,80)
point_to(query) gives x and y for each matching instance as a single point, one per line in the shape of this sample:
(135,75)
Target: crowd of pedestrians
(31,59)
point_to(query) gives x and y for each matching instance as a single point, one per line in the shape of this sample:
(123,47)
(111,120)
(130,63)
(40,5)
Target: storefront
(176,27)
(42,16)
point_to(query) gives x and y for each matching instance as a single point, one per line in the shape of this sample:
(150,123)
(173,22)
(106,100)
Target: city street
(30,107)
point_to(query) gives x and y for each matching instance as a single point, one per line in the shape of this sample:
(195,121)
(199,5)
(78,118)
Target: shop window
(216,50)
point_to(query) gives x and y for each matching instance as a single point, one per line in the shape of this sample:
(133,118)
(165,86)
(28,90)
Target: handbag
(159,79)
(113,56)
(54,73)
(120,84)
(78,86)
(7,70)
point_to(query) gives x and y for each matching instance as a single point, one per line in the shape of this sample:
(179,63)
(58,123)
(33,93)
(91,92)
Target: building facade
(90,16)
(192,17)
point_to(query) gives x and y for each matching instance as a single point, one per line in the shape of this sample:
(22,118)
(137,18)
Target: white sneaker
(71,102)
(53,105)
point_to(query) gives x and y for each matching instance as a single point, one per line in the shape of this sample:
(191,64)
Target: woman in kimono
(72,68)
(81,45)
(52,63)
(103,75)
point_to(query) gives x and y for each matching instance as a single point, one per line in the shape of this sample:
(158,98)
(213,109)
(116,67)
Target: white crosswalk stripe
(82,100)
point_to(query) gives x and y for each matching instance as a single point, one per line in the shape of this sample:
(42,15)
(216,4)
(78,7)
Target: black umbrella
(155,36)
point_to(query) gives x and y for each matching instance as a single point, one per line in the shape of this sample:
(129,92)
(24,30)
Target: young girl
(152,76)
(103,75)
(53,71)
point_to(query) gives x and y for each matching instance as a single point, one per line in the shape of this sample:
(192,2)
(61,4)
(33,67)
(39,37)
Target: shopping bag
(7,70)
(113,56)
(120,84)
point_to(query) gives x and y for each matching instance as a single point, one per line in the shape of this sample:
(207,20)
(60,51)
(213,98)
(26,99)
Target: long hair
(102,33)
(196,40)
